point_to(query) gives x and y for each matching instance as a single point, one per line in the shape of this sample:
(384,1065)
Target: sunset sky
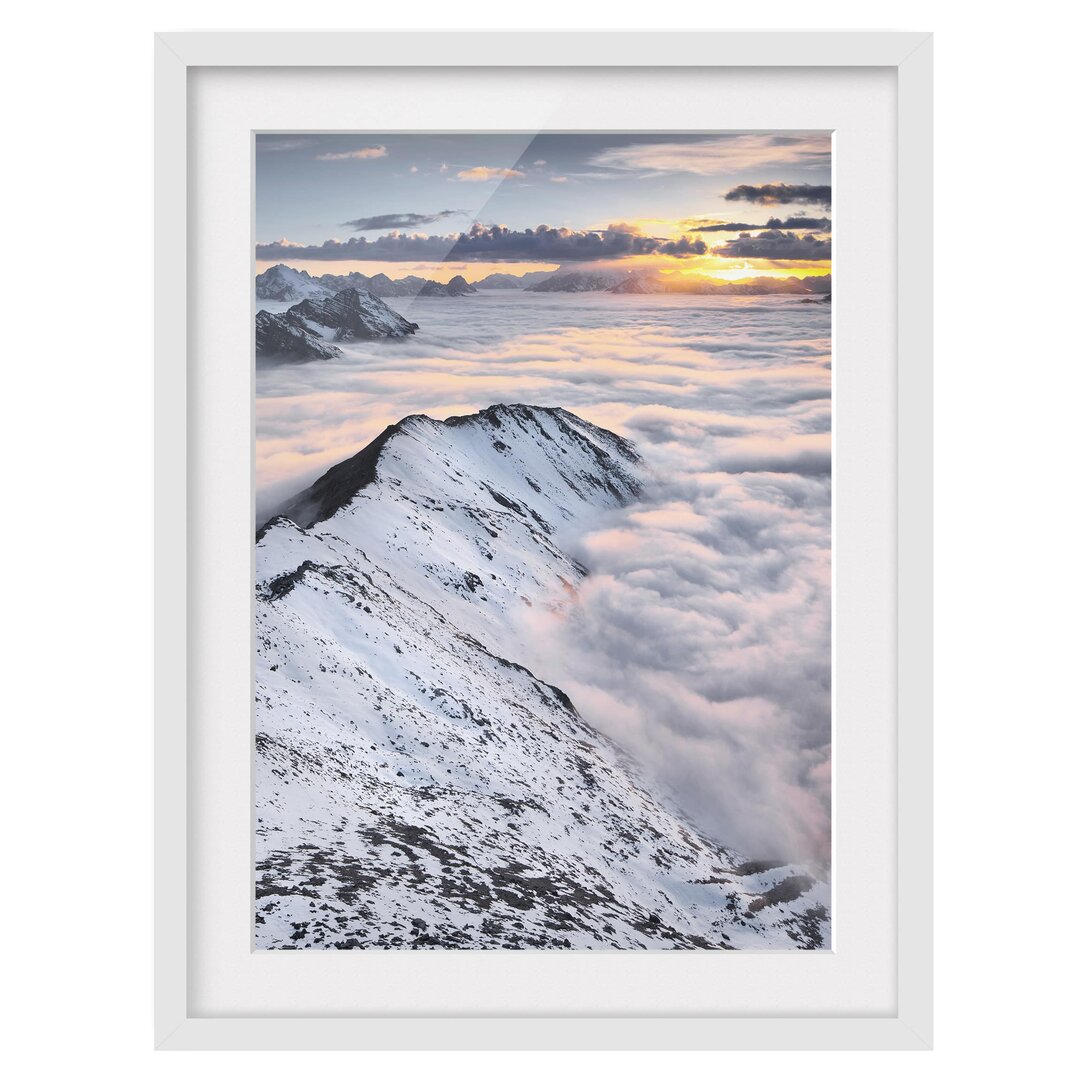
(726,205)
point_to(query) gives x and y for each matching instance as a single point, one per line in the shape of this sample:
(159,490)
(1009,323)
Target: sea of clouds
(701,639)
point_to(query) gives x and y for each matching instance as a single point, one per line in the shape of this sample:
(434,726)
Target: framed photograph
(543,629)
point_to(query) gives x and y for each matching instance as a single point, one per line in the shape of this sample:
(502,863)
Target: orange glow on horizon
(715,266)
(696,266)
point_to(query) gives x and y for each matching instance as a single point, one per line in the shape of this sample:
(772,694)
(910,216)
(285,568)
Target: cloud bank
(796,222)
(701,639)
(773,194)
(398,221)
(774,244)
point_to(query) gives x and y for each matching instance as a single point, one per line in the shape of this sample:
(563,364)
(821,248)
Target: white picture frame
(181,1022)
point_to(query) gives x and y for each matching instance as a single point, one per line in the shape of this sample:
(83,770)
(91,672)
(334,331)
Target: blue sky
(314,188)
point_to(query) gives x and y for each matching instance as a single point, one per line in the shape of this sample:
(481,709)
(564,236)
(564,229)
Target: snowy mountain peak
(282,282)
(309,330)
(420,784)
(538,455)
(336,488)
(354,314)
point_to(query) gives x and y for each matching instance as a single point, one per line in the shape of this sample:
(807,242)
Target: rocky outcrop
(288,337)
(354,315)
(308,330)
(456,286)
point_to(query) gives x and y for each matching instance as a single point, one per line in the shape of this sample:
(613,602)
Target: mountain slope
(417,784)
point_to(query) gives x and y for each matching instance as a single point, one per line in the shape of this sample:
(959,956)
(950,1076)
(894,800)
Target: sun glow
(738,270)
(713,266)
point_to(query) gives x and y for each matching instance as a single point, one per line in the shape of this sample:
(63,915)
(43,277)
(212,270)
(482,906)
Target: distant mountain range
(377,285)
(514,281)
(283,283)
(580,281)
(651,282)
(765,286)
(456,286)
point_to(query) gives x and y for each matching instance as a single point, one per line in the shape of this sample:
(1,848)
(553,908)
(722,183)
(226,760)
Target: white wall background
(76,430)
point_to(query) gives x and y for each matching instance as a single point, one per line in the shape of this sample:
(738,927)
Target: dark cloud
(797,222)
(772,194)
(488,243)
(683,247)
(775,244)
(398,221)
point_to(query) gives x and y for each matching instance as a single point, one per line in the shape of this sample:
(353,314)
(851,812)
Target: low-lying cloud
(775,244)
(774,194)
(480,173)
(364,153)
(398,221)
(796,222)
(700,641)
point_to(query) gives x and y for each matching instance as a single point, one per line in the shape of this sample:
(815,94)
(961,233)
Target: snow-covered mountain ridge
(417,784)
